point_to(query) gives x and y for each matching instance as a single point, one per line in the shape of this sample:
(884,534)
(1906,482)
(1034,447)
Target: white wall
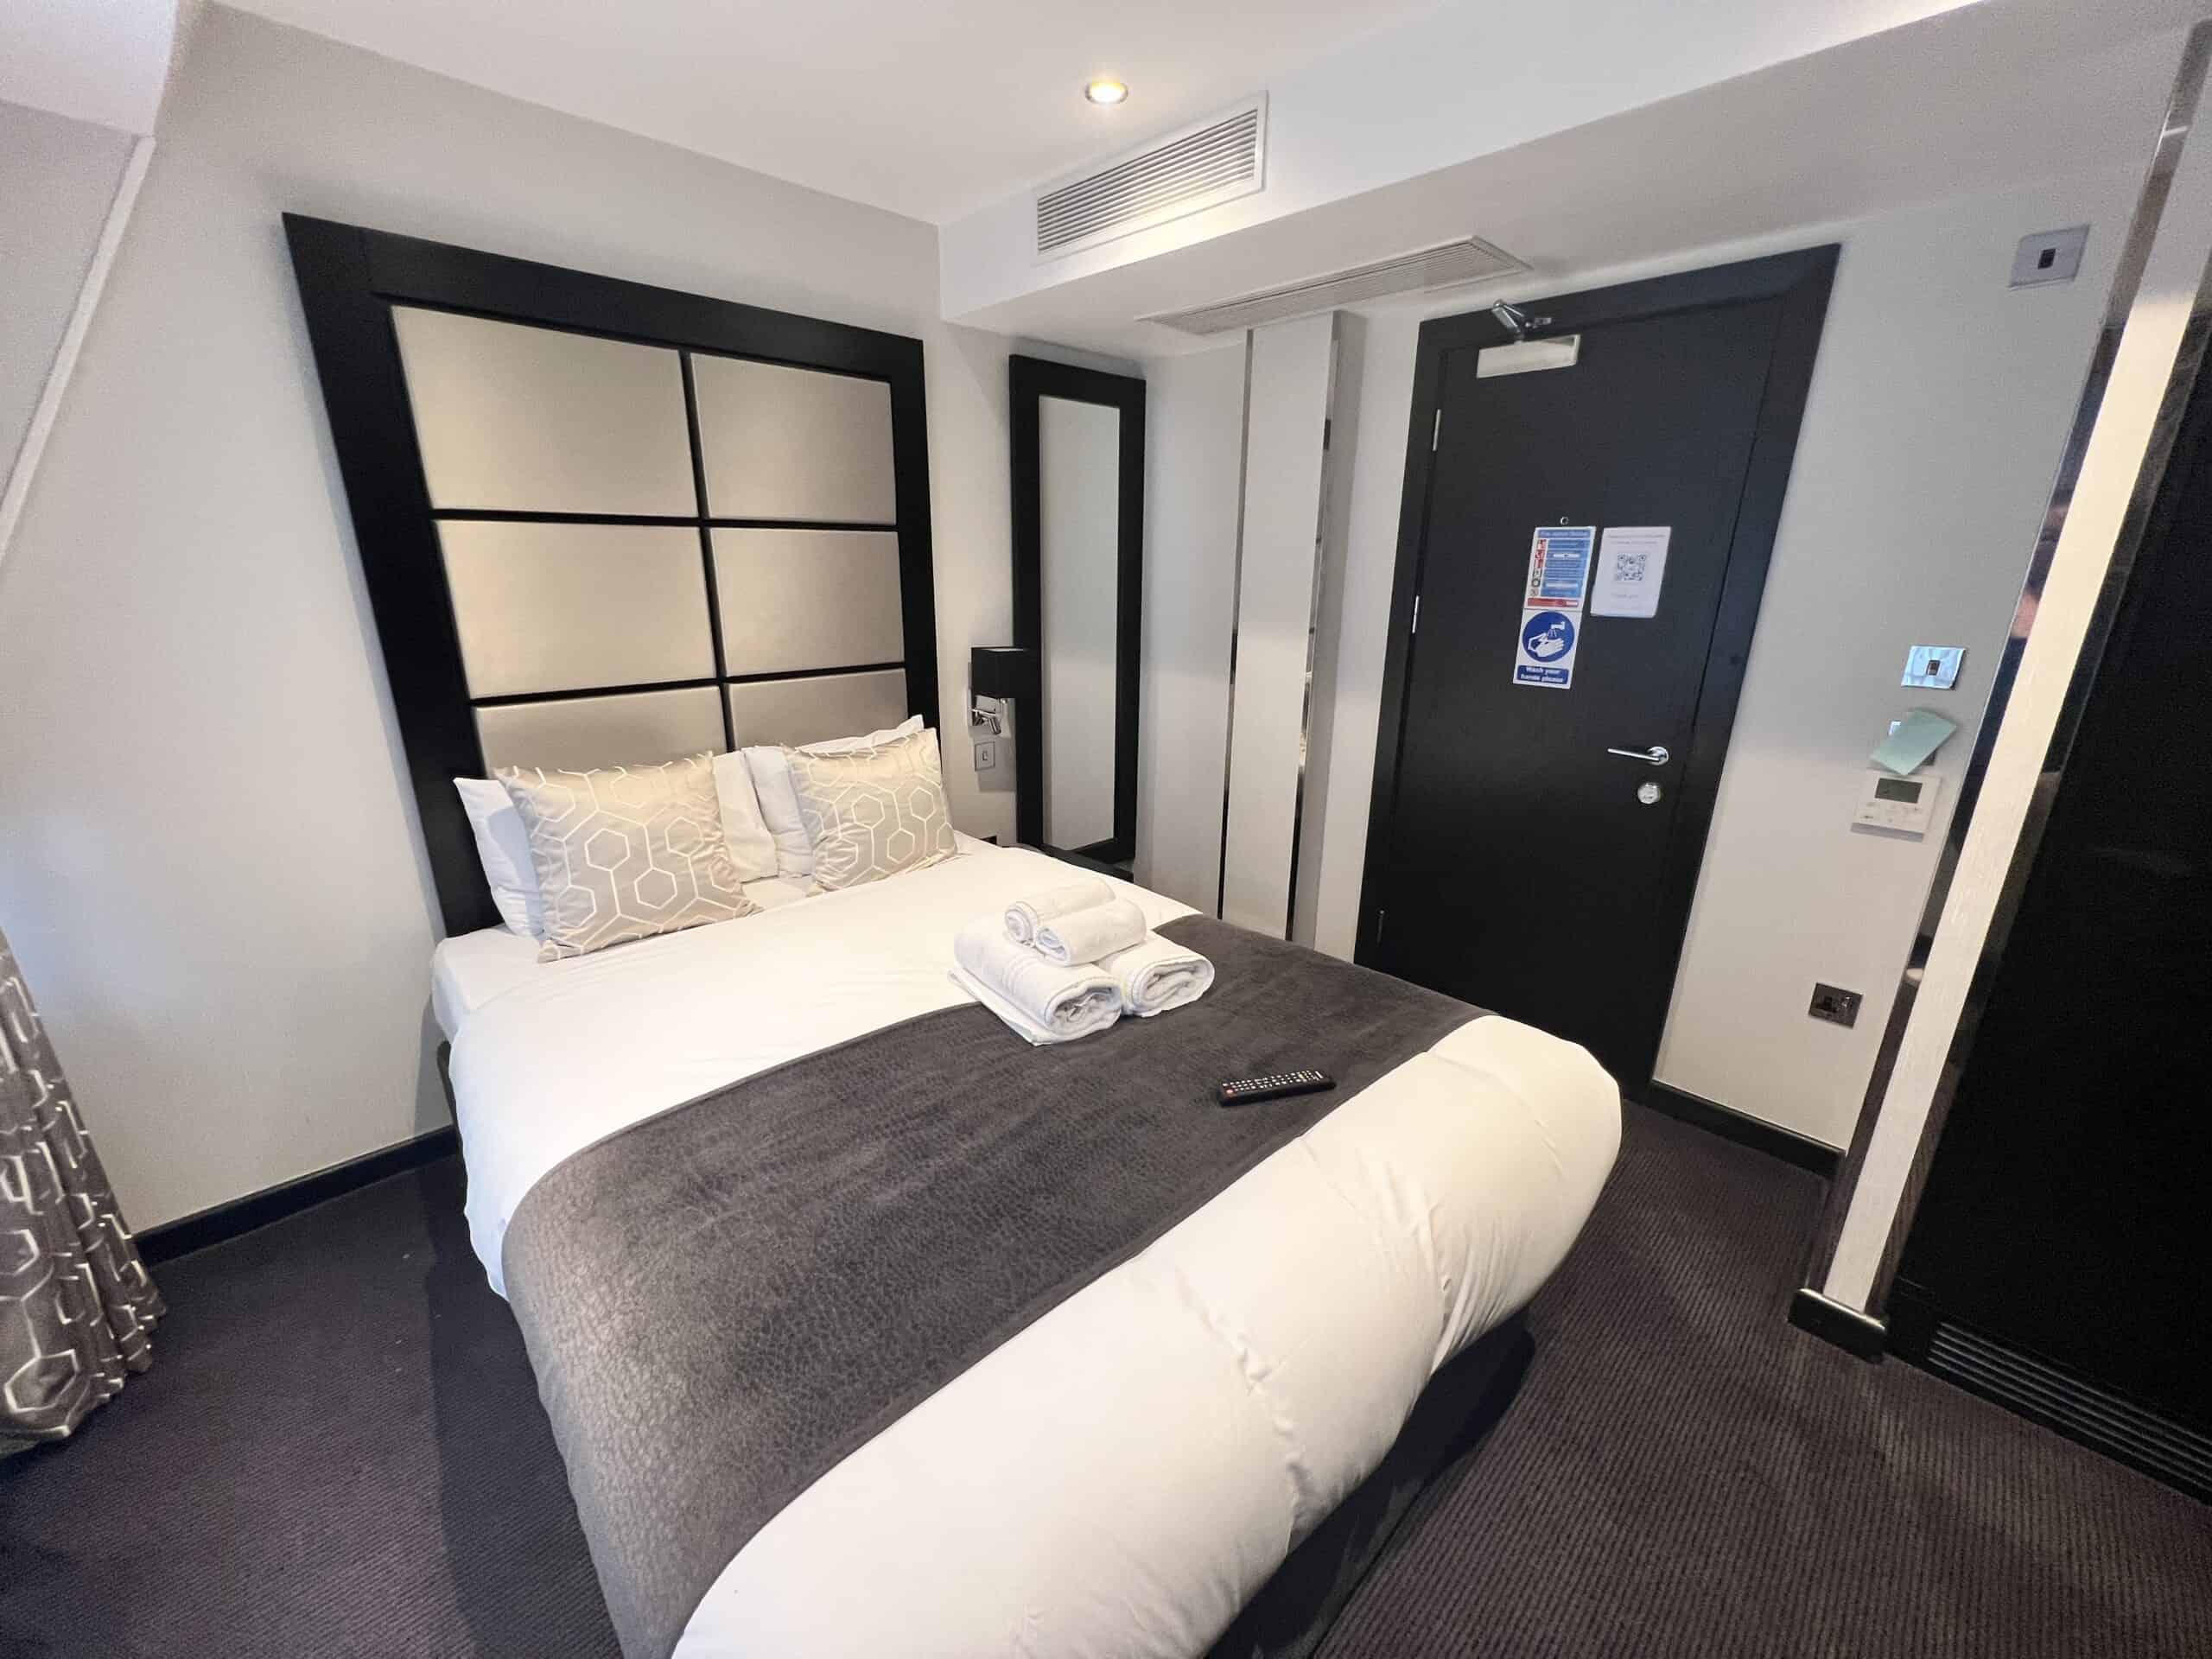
(58,179)
(212,869)
(1936,413)
(1194,448)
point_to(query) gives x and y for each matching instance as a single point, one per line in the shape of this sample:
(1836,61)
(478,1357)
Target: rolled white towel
(1156,975)
(1024,916)
(1090,934)
(1043,1000)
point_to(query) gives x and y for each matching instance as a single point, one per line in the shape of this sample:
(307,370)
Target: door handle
(1654,756)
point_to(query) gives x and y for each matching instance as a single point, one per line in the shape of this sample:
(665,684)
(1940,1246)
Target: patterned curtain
(76,1306)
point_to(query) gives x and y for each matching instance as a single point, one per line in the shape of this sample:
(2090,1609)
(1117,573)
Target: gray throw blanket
(724,1300)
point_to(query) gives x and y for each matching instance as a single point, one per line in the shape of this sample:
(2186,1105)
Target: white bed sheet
(470,970)
(1122,1475)
(578,1049)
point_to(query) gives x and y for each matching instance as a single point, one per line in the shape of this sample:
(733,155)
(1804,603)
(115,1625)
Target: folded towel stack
(1024,916)
(1155,974)
(1044,1000)
(1090,934)
(1062,964)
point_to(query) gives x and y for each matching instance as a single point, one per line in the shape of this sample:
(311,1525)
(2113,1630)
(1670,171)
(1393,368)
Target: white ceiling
(1983,98)
(103,60)
(931,108)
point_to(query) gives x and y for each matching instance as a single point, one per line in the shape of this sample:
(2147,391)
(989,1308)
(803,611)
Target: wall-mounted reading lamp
(998,675)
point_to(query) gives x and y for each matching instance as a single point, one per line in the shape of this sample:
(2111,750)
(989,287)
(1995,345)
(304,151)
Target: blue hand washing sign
(1546,636)
(1545,655)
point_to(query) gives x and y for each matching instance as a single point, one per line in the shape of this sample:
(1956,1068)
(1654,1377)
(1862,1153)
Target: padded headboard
(601,522)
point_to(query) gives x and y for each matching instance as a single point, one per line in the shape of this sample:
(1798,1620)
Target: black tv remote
(1250,1091)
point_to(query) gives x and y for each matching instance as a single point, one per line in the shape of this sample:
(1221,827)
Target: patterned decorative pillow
(873,812)
(625,852)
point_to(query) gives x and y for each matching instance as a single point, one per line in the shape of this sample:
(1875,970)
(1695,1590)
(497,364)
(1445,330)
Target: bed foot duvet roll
(722,1302)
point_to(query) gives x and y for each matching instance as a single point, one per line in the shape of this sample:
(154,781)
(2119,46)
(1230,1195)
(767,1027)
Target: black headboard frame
(351,278)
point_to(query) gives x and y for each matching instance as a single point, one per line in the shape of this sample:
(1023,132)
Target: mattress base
(1462,1403)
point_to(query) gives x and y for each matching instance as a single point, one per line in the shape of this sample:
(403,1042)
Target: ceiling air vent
(1218,160)
(1449,266)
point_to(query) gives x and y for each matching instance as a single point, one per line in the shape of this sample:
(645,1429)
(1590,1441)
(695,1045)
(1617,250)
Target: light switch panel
(1935,667)
(2049,256)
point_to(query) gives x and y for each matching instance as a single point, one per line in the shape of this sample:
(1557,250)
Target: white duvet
(1121,1476)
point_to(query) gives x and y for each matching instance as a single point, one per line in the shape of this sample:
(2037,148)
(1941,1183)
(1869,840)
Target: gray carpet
(340,1452)
(1684,1473)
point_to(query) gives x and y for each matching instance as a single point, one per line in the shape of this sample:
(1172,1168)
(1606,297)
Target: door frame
(1802,280)
(1030,380)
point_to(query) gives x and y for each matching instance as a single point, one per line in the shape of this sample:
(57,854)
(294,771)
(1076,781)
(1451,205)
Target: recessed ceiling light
(1106,90)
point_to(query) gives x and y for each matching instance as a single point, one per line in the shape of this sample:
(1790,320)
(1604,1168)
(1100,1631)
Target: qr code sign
(1631,567)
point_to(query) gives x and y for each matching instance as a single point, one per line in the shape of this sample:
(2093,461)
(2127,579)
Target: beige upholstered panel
(557,607)
(638,728)
(534,420)
(794,443)
(815,710)
(800,599)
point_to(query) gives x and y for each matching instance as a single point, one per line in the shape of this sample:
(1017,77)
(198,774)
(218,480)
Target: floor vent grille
(1451,264)
(1217,160)
(2117,1426)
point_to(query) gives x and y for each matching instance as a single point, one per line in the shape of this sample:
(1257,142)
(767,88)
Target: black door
(1537,846)
(2064,1211)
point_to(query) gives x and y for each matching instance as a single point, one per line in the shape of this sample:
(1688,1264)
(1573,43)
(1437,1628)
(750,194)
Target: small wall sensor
(2049,256)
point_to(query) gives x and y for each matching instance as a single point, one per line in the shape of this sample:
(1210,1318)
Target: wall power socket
(1834,1004)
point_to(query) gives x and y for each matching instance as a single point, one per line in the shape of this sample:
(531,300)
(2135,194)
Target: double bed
(865,1327)
(1113,1455)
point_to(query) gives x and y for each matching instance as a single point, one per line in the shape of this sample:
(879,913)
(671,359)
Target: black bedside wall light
(999,673)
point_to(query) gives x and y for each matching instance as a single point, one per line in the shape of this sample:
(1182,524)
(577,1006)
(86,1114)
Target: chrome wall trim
(1236,613)
(1329,482)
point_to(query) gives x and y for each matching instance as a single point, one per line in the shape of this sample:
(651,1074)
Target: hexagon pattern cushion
(873,812)
(625,852)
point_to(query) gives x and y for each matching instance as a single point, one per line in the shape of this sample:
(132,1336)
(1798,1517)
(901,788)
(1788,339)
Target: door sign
(1545,654)
(1631,565)
(1551,614)
(1559,565)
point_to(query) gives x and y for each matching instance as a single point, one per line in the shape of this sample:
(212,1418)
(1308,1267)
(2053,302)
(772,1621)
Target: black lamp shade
(1002,671)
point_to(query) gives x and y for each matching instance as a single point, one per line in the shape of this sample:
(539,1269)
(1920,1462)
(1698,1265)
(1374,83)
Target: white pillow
(752,848)
(772,784)
(503,847)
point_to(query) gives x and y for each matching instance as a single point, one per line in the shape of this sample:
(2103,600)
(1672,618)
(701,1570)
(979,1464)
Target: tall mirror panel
(1078,540)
